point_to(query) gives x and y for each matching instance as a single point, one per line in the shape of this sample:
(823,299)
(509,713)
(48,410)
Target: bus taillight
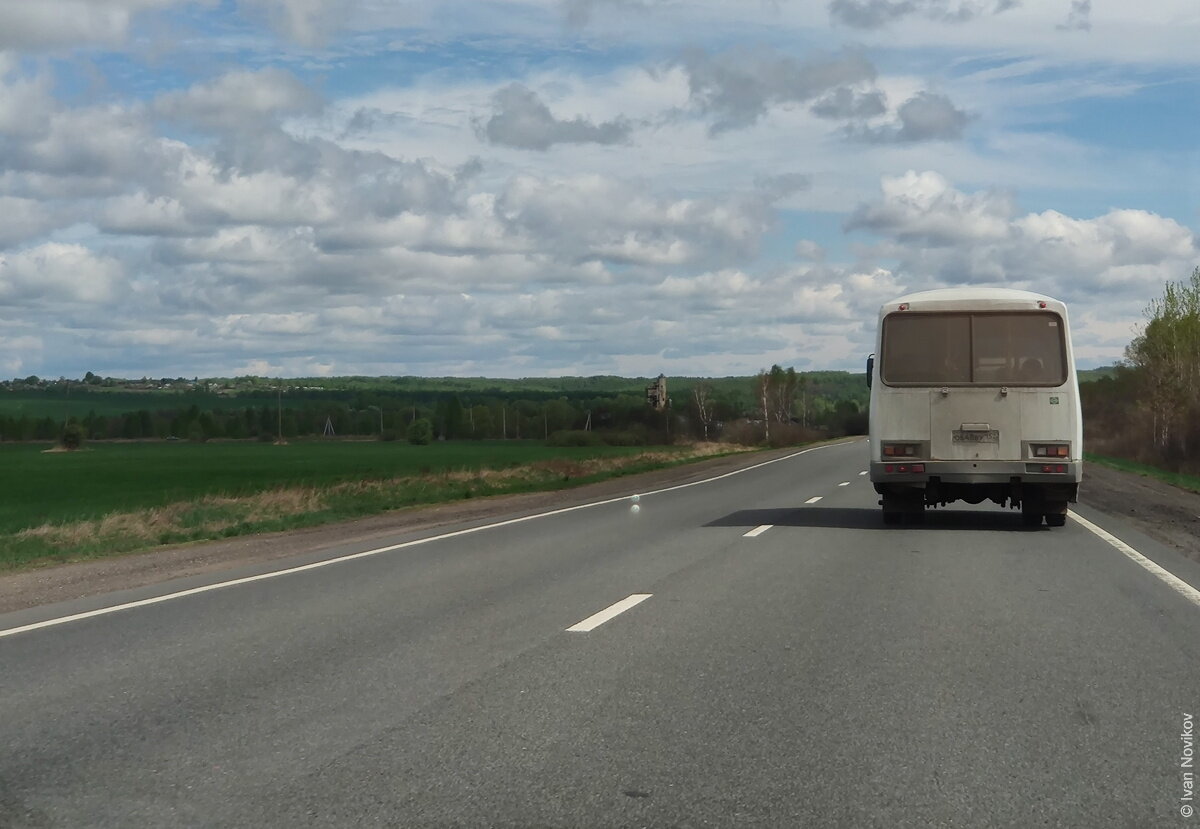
(1051,450)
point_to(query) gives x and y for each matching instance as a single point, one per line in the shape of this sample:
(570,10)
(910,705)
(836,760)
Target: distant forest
(823,402)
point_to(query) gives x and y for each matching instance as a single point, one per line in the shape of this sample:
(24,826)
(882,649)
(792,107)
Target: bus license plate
(991,436)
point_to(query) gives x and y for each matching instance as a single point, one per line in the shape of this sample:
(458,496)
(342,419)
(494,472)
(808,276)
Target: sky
(218,188)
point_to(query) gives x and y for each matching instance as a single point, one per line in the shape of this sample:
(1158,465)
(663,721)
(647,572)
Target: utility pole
(279,390)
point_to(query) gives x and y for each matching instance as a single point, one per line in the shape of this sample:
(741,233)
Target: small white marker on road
(864,472)
(844,483)
(814,499)
(757,531)
(597,619)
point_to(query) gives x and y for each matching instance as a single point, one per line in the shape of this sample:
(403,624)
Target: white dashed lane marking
(597,619)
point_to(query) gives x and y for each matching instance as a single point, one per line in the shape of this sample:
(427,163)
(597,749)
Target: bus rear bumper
(977,472)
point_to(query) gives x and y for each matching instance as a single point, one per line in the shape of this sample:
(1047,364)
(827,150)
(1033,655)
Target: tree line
(699,409)
(1148,408)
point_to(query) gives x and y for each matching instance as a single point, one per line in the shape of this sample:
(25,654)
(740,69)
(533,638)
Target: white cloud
(1079,17)
(300,324)
(39,24)
(737,87)
(23,219)
(100,148)
(927,116)
(942,235)
(239,100)
(143,214)
(593,216)
(212,193)
(26,102)
(520,119)
(57,273)
(15,350)
(875,14)
(308,22)
(925,208)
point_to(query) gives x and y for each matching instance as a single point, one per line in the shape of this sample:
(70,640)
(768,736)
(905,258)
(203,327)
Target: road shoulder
(1166,513)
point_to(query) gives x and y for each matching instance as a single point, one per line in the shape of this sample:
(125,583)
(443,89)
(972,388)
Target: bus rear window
(996,349)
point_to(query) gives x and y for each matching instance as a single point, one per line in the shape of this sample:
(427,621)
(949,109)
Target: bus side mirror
(870,369)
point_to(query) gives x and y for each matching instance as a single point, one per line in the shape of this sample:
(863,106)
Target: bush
(72,436)
(628,437)
(574,437)
(743,432)
(752,433)
(420,432)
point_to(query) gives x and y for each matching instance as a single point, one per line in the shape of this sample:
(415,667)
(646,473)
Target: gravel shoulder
(1164,512)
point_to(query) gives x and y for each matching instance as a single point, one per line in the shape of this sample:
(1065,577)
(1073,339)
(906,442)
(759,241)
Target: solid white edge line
(814,499)
(103,611)
(597,619)
(1173,581)
(757,531)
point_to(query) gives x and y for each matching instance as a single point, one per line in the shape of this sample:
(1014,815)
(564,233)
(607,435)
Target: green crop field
(120,497)
(39,487)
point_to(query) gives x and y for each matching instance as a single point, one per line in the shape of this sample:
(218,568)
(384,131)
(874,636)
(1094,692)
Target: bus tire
(1031,519)
(1056,519)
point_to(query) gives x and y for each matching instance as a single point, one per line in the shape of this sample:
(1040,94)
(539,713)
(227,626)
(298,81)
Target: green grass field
(38,487)
(120,497)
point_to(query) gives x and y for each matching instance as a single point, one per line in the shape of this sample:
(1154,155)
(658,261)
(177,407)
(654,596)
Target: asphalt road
(827,671)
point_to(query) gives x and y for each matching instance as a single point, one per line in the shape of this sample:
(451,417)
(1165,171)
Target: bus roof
(973,299)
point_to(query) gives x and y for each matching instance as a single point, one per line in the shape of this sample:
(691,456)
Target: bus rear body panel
(974,397)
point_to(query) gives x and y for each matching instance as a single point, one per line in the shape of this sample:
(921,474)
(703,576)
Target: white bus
(974,397)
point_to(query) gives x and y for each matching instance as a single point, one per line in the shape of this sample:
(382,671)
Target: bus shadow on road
(859,518)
